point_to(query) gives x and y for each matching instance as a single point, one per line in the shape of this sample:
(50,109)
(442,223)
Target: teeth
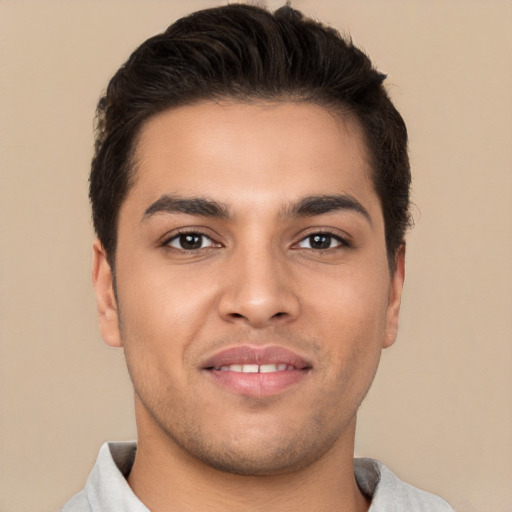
(255,368)
(250,368)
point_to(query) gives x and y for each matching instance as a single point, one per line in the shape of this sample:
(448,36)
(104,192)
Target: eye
(191,241)
(322,241)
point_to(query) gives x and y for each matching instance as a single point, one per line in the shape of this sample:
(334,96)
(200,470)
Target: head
(250,195)
(247,54)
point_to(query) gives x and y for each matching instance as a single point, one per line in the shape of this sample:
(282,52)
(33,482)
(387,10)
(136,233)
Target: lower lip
(258,384)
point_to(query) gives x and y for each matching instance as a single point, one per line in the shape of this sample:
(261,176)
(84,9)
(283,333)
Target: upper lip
(247,354)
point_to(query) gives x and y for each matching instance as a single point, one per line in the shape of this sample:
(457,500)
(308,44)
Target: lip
(256,384)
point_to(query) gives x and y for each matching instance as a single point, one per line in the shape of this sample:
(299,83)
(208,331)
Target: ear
(395,297)
(103,282)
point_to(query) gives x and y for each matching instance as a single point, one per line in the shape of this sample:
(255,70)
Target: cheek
(166,294)
(351,305)
(350,317)
(161,313)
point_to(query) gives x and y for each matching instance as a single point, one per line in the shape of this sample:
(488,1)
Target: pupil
(190,241)
(320,241)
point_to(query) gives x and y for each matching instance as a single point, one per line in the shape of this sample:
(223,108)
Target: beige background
(440,412)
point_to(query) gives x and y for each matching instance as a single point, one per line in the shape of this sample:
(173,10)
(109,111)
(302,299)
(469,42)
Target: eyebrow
(306,207)
(319,205)
(191,206)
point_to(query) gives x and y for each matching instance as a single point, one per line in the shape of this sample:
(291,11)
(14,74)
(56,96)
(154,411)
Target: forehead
(250,153)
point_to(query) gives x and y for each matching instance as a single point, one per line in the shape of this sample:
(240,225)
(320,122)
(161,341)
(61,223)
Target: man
(250,193)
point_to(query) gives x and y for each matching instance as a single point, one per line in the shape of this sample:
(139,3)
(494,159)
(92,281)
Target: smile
(256,371)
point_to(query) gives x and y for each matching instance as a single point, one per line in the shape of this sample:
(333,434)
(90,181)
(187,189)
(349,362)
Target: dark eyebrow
(319,205)
(189,205)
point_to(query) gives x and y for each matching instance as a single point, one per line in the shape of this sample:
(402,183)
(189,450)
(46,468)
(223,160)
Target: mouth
(257,371)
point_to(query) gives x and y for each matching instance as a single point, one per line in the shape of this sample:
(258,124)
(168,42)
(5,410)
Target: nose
(258,290)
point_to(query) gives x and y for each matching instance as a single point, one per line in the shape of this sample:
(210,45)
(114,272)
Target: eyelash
(192,233)
(341,241)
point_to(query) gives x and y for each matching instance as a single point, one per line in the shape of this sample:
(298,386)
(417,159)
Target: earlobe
(395,297)
(103,282)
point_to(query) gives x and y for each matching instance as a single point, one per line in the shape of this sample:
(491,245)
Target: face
(253,290)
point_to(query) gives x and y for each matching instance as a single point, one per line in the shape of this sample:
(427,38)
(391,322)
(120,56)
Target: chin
(261,454)
(277,462)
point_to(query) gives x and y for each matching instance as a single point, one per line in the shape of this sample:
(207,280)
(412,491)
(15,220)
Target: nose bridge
(258,285)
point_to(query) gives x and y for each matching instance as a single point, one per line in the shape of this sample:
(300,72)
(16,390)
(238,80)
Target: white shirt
(107,490)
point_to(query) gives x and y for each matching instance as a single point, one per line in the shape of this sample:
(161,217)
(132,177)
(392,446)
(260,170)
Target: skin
(257,279)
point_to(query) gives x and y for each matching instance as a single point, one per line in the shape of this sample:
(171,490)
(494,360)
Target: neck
(167,478)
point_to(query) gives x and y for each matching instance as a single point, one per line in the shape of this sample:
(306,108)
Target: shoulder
(390,494)
(106,488)
(78,503)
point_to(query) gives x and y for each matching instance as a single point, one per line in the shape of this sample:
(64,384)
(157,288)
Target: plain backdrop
(439,413)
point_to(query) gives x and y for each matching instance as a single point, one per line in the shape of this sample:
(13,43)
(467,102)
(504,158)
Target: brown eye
(321,241)
(190,241)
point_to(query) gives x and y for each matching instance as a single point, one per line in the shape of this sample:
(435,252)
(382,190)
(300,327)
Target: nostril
(257,308)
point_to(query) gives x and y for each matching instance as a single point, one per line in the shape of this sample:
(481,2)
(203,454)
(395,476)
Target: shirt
(107,490)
